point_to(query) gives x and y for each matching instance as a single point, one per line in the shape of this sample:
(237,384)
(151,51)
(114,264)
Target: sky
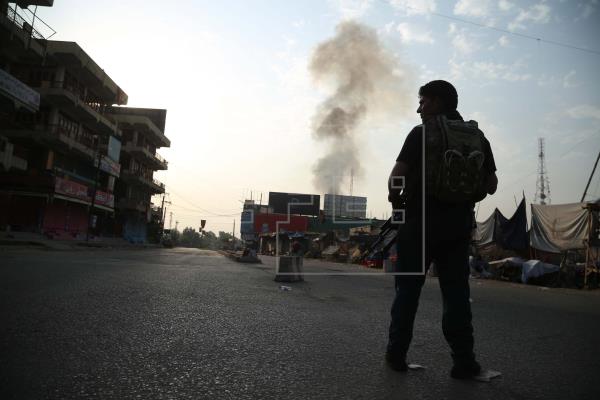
(234,78)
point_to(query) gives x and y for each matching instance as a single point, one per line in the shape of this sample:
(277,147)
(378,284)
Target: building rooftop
(75,58)
(27,3)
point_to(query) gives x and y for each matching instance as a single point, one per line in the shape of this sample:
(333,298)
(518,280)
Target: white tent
(556,228)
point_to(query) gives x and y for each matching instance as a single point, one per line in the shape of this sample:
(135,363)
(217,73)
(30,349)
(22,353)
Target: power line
(200,209)
(191,212)
(523,35)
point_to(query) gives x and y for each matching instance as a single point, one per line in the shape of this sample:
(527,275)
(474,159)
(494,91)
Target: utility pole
(591,176)
(162,207)
(170,219)
(98,158)
(176,224)
(163,213)
(233,233)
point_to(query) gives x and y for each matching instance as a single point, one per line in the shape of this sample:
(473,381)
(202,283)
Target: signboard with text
(71,189)
(105,199)
(109,166)
(19,91)
(82,192)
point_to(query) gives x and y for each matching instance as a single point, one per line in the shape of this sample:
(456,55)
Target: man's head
(437,97)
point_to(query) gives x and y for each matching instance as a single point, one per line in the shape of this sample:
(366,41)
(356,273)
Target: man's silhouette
(459,170)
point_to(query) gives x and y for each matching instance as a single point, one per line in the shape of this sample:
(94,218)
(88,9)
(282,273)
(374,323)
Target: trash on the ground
(416,366)
(285,288)
(487,375)
(544,288)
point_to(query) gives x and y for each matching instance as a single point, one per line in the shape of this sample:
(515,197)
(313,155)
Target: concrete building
(18,42)
(60,139)
(142,133)
(336,205)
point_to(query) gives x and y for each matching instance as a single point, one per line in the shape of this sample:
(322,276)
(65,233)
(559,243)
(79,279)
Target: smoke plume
(366,81)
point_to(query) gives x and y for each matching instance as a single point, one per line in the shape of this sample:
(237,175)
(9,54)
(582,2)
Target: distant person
(459,171)
(296,248)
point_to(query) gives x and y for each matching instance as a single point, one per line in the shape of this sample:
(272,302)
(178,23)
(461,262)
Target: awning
(86,203)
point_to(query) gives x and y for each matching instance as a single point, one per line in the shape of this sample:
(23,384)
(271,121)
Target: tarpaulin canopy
(556,228)
(536,268)
(510,234)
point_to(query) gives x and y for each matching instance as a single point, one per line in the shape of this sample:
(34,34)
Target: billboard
(299,204)
(345,206)
(267,223)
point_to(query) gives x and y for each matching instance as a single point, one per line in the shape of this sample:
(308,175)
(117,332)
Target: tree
(208,240)
(225,236)
(190,238)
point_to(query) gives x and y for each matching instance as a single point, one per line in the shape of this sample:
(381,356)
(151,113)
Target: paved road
(184,323)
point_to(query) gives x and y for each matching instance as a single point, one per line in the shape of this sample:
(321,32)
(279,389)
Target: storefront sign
(83,192)
(71,189)
(19,91)
(105,199)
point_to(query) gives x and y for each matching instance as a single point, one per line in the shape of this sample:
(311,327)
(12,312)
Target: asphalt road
(184,323)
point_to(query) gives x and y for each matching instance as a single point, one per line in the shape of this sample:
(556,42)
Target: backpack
(454,158)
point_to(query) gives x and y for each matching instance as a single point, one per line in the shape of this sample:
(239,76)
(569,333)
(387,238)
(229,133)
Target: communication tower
(542,189)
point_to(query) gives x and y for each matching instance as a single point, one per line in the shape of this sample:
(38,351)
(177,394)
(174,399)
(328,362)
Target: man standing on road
(459,170)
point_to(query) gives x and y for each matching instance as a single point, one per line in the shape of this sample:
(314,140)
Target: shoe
(396,363)
(465,371)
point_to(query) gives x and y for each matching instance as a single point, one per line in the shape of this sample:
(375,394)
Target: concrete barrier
(289,269)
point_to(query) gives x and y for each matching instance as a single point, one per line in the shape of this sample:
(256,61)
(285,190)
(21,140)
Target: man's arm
(492,183)
(396,183)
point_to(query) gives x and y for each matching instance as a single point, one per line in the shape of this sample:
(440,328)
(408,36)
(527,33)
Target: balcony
(132,204)
(156,161)
(139,179)
(71,99)
(141,124)
(80,144)
(81,65)
(57,137)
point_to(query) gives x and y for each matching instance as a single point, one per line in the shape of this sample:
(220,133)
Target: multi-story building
(142,133)
(19,42)
(60,139)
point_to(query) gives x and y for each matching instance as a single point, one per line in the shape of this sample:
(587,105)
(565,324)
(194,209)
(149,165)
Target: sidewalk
(37,240)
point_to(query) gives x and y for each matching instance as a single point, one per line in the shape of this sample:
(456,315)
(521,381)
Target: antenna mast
(351,181)
(542,190)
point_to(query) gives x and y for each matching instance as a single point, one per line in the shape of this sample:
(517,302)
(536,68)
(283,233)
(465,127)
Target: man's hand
(396,181)
(396,200)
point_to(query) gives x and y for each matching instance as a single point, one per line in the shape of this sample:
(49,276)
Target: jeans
(452,263)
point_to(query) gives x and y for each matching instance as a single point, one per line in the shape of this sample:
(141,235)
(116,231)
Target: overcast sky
(233,76)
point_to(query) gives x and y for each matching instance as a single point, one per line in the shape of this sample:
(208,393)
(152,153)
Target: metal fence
(20,20)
